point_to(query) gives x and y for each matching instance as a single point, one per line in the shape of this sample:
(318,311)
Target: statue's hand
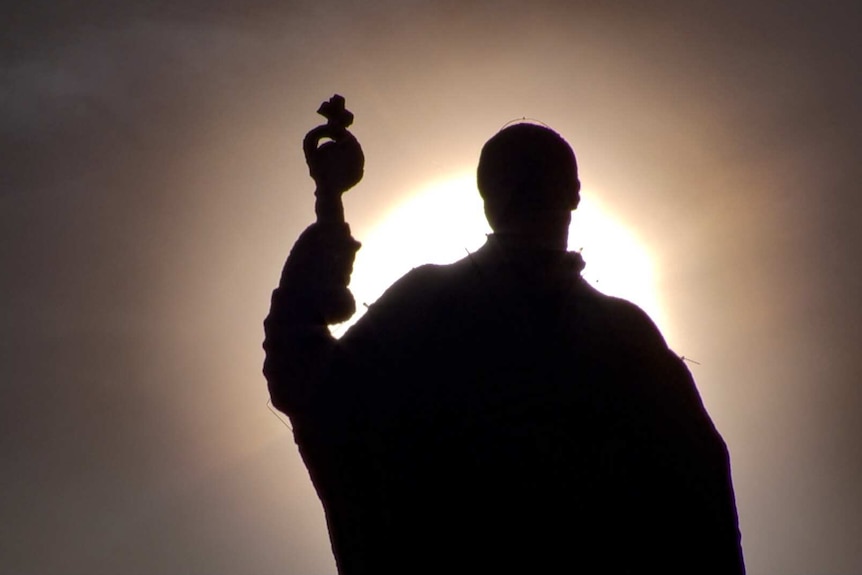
(336,165)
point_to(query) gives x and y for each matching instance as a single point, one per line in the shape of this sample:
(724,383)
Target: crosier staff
(336,165)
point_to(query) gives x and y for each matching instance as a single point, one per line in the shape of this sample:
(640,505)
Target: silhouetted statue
(495,415)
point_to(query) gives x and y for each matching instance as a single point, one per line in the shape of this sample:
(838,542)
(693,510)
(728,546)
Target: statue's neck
(543,230)
(519,242)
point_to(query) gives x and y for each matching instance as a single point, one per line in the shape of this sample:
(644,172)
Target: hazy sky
(152,183)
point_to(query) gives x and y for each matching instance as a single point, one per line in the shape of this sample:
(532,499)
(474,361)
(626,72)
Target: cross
(335,113)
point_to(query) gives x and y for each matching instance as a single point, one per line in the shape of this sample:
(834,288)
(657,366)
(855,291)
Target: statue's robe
(496,415)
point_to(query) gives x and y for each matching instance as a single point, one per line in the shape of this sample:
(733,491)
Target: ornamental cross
(337,116)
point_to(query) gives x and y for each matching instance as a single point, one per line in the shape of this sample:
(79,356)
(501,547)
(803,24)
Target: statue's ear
(576,194)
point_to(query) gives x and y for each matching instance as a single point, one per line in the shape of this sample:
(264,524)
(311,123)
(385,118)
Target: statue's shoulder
(618,315)
(408,301)
(422,283)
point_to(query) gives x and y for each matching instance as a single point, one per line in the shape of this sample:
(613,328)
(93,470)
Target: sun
(443,221)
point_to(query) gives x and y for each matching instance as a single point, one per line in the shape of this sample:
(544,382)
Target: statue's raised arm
(312,292)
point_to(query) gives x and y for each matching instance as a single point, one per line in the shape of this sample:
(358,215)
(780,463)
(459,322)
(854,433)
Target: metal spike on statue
(337,164)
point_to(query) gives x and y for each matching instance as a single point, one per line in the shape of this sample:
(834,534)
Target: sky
(152,183)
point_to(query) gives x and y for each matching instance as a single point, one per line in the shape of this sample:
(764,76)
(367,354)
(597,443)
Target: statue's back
(502,416)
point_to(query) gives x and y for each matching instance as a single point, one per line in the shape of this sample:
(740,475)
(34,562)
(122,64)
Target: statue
(498,414)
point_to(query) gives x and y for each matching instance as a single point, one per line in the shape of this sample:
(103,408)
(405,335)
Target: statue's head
(527,172)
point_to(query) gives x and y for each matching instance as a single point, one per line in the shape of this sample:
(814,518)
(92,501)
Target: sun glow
(444,220)
(618,262)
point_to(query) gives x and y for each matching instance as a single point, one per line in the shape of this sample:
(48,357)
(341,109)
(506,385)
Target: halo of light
(618,262)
